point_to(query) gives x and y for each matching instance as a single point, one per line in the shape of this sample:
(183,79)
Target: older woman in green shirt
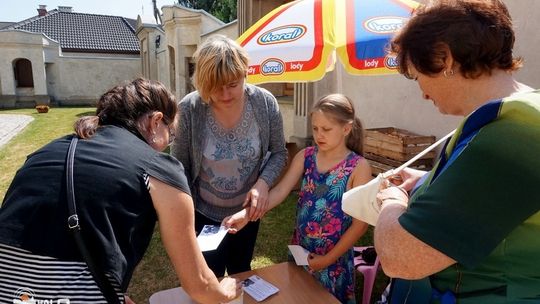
(469,233)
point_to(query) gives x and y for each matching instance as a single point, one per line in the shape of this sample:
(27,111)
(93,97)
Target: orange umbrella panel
(297,41)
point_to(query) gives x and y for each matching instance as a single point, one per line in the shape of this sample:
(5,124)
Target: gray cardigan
(188,145)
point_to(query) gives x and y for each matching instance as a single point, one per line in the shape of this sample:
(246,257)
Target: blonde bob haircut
(218,61)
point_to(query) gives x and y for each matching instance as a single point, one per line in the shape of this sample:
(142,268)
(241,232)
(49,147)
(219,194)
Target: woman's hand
(407,178)
(231,288)
(257,200)
(393,195)
(317,262)
(236,221)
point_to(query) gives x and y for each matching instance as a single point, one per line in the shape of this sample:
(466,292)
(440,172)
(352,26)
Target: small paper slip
(211,236)
(258,288)
(300,254)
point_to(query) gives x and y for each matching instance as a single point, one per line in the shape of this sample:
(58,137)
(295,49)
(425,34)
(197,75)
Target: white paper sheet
(178,295)
(211,236)
(300,254)
(258,288)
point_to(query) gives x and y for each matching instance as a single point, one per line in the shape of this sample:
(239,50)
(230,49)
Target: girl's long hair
(341,108)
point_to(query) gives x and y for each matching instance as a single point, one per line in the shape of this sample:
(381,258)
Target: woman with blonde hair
(231,143)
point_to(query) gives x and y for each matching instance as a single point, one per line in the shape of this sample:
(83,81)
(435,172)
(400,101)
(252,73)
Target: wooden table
(296,286)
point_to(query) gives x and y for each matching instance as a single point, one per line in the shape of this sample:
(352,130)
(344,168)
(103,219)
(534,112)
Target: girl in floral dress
(327,170)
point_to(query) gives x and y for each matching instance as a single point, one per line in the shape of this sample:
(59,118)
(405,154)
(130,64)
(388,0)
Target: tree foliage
(225,10)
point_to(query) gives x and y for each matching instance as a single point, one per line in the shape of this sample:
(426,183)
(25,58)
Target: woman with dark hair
(122,185)
(468,233)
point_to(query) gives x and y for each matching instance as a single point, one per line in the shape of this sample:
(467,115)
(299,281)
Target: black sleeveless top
(115,209)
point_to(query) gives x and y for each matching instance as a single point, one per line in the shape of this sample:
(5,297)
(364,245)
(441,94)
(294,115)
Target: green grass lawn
(155,272)
(44,128)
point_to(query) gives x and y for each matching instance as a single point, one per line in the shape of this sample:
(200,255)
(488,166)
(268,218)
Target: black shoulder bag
(73,223)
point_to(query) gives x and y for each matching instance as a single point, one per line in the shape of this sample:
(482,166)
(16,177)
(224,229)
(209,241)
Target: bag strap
(73,223)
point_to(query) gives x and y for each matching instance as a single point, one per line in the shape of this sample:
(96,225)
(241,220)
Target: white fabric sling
(361,202)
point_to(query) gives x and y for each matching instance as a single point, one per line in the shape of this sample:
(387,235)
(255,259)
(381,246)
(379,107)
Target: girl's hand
(317,262)
(236,221)
(257,200)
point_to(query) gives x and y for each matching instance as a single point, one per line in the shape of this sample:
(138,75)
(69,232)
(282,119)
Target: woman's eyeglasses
(166,122)
(172,134)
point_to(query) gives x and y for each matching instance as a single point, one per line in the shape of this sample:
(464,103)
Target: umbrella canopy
(298,41)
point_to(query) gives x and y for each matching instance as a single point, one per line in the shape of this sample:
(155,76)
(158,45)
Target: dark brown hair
(341,109)
(125,104)
(478,33)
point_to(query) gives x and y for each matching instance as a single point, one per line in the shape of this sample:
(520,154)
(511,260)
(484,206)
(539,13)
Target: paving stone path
(11,125)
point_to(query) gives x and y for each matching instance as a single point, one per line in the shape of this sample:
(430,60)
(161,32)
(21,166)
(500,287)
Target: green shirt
(480,205)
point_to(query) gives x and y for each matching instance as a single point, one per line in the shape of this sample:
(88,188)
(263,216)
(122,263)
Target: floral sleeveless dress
(320,221)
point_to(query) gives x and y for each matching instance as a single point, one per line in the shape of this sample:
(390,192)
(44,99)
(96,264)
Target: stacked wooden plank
(389,148)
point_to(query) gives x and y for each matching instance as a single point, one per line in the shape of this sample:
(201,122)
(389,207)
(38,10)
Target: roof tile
(85,32)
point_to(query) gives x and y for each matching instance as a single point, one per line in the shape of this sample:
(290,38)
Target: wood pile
(389,148)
